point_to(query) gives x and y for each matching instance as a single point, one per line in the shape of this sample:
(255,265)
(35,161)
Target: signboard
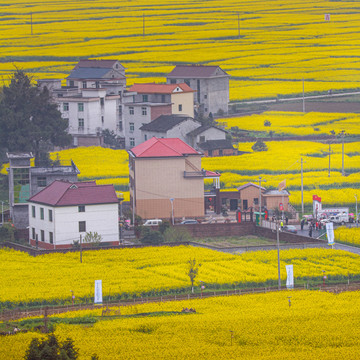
(327,17)
(330,233)
(289,277)
(281,206)
(98,292)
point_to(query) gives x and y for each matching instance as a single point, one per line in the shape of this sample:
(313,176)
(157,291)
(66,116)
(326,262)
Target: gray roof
(216,144)
(164,123)
(203,128)
(88,73)
(277,192)
(249,184)
(196,71)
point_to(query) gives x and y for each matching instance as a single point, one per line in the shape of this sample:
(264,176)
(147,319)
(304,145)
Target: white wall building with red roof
(64,211)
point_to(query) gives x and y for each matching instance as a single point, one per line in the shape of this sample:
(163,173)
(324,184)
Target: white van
(153,222)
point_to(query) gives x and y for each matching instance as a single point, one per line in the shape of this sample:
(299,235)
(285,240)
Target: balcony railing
(189,174)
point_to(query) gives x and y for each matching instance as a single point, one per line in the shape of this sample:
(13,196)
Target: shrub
(259,146)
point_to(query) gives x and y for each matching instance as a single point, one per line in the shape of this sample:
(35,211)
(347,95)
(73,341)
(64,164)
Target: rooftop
(153,88)
(155,147)
(203,128)
(63,193)
(196,71)
(216,144)
(165,122)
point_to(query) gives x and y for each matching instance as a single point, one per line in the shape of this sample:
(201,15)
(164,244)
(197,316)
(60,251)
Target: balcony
(194,174)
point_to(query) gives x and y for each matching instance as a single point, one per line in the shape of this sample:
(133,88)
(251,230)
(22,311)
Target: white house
(64,211)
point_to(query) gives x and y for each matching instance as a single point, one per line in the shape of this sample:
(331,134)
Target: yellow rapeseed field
(267,47)
(316,325)
(350,236)
(51,277)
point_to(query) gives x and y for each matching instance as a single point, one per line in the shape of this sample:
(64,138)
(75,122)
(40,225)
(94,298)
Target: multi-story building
(26,180)
(167,180)
(63,212)
(211,84)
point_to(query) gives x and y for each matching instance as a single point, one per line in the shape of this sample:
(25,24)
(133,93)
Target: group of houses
(96,98)
(157,124)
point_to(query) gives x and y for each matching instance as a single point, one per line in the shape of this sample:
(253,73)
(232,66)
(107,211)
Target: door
(233,204)
(245,204)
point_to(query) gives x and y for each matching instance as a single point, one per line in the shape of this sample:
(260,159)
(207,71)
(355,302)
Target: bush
(267,123)
(259,146)
(174,234)
(151,237)
(7,232)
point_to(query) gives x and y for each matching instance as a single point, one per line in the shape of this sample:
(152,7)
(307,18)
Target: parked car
(189,221)
(290,228)
(153,222)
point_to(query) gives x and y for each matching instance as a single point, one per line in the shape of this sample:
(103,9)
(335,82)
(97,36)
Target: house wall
(273,201)
(186,100)
(211,134)
(156,111)
(218,152)
(181,130)
(250,193)
(159,180)
(102,219)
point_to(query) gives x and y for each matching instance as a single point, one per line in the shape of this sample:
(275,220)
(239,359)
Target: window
(256,201)
(97,84)
(80,106)
(41,181)
(145,137)
(102,120)
(162,98)
(120,125)
(145,98)
(205,96)
(220,152)
(71,83)
(81,208)
(206,109)
(202,139)
(187,82)
(21,183)
(50,215)
(81,123)
(42,213)
(132,127)
(132,142)
(120,110)
(143,110)
(82,226)
(84,85)
(102,101)
(33,211)
(42,235)
(173,81)
(131,110)
(33,233)
(180,107)
(65,106)
(51,237)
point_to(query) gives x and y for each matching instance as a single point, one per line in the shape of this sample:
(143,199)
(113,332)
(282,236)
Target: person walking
(302,224)
(310,231)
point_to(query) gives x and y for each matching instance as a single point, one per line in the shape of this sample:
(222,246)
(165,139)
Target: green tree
(29,119)
(174,234)
(149,236)
(192,271)
(259,146)
(51,349)
(92,238)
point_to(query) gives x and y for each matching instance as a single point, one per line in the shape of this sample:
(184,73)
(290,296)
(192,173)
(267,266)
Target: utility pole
(329,158)
(278,252)
(80,248)
(303,95)
(302,187)
(260,212)
(238,25)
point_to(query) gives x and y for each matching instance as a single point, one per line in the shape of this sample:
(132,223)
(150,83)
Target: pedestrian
(287,220)
(281,225)
(302,224)
(310,231)
(317,225)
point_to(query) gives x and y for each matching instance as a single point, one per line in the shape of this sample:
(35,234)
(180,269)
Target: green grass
(223,242)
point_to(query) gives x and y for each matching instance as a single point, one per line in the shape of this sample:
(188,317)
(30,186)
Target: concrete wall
(250,193)
(186,100)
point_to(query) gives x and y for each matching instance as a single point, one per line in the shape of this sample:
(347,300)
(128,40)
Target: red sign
(281,207)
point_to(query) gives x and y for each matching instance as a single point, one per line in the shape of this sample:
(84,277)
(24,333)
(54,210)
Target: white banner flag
(330,233)
(289,277)
(98,292)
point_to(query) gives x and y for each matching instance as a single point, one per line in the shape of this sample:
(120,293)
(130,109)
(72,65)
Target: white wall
(103,219)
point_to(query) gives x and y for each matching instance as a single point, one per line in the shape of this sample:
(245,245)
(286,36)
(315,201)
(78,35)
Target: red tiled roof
(62,193)
(152,88)
(170,147)
(212,173)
